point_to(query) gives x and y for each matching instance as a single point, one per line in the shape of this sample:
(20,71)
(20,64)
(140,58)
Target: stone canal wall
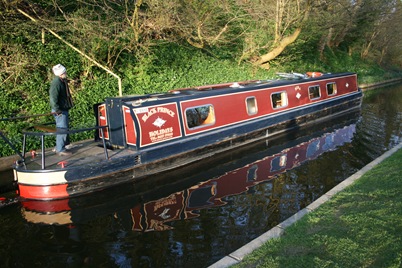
(6,163)
(365,87)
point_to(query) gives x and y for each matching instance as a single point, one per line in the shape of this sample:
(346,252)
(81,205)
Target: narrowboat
(152,209)
(149,134)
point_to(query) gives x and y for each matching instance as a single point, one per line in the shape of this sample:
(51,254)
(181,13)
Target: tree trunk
(282,44)
(325,41)
(134,22)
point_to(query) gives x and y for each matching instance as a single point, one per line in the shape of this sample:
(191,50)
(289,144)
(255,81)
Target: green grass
(359,227)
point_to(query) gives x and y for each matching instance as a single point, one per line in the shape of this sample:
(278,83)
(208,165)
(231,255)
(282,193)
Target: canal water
(194,216)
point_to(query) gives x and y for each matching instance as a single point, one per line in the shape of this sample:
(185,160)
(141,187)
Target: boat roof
(225,88)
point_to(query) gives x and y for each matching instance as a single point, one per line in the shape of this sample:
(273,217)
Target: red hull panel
(43,192)
(102,118)
(49,207)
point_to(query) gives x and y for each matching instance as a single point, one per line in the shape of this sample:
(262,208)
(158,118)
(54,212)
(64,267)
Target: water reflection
(220,217)
(157,211)
(64,244)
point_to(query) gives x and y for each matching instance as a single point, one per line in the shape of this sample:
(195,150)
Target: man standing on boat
(61,102)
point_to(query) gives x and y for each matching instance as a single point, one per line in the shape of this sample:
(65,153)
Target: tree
(332,20)
(387,43)
(382,15)
(277,24)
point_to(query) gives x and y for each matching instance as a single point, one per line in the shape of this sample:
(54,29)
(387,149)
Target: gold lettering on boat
(161,134)
(170,200)
(153,111)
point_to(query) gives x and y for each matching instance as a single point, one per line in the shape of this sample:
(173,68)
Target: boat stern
(41,185)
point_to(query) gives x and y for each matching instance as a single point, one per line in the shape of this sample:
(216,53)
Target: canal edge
(366,87)
(238,255)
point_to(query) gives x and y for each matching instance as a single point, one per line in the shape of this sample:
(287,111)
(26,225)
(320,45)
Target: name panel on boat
(158,123)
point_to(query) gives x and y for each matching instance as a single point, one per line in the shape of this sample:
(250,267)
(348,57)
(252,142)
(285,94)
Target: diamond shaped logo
(298,95)
(159,122)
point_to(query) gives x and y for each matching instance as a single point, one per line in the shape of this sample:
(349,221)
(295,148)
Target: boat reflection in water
(152,209)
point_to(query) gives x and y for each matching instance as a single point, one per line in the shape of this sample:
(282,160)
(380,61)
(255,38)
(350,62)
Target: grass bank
(359,227)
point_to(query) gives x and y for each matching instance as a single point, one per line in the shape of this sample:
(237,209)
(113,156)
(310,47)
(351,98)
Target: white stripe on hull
(41,178)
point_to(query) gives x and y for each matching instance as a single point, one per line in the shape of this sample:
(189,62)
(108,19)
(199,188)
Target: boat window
(252,173)
(314,92)
(279,163)
(331,89)
(279,99)
(251,103)
(200,116)
(313,148)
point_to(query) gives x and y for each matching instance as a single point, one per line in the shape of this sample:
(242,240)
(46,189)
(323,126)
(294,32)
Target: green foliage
(166,67)
(171,67)
(163,67)
(302,57)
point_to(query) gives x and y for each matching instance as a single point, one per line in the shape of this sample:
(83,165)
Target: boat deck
(84,152)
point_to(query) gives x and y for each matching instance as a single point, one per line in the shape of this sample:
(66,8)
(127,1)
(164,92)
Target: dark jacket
(60,97)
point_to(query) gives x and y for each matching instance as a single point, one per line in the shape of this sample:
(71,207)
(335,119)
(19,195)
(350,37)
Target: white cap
(59,69)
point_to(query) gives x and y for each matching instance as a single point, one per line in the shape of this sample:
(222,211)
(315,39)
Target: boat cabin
(138,122)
